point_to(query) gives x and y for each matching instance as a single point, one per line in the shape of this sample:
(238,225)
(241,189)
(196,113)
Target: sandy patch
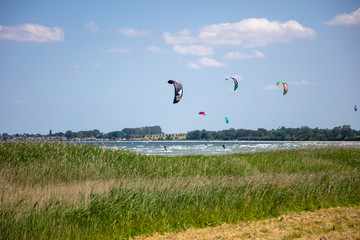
(333,223)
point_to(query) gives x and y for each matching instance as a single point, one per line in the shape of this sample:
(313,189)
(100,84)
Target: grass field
(56,191)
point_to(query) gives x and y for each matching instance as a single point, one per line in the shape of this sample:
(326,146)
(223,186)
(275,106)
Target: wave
(214,148)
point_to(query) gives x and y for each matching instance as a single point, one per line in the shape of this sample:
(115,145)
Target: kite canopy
(202,113)
(236,84)
(227,119)
(178,90)
(356,108)
(286,89)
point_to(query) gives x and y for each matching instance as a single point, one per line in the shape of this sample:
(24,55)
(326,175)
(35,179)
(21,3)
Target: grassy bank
(52,191)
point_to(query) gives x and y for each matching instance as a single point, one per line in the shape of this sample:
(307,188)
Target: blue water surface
(211,148)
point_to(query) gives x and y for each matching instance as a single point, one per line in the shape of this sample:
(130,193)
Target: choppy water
(212,148)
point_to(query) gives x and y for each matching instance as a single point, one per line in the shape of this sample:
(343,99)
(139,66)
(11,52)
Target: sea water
(212,148)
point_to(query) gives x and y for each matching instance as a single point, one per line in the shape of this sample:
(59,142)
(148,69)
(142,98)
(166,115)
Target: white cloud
(270,87)
(76,67)
(154,49)
(241,55)
(206,62)
(18,101)
(92,27)
(31,33)
(302,83)
(127,31)
(193,65)
(198,50)
(346,19)
(250,32)
(118,50)
(181,38)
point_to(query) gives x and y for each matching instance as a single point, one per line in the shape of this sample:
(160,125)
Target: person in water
(224,146)
(165,148)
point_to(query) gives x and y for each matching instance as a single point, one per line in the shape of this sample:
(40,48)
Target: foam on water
(212,148)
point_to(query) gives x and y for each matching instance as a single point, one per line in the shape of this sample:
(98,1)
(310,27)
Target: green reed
(147,194)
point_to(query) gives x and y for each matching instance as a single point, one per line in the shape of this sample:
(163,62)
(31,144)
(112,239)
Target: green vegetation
(126,133)
(344,133)
(58,191)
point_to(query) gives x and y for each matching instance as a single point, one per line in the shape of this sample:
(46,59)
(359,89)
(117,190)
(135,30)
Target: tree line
(126,133)
(130,133)
(341,133)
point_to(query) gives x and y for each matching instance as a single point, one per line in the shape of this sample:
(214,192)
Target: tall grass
(52,191)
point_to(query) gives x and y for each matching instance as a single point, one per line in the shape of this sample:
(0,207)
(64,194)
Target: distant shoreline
(212,141)
(171,141)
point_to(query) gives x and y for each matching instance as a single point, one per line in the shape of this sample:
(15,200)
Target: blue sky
(83,65)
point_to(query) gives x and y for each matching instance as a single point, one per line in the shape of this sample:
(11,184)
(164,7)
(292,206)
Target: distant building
(171,137)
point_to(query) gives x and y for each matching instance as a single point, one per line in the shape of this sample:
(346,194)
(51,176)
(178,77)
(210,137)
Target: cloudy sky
(78,65)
